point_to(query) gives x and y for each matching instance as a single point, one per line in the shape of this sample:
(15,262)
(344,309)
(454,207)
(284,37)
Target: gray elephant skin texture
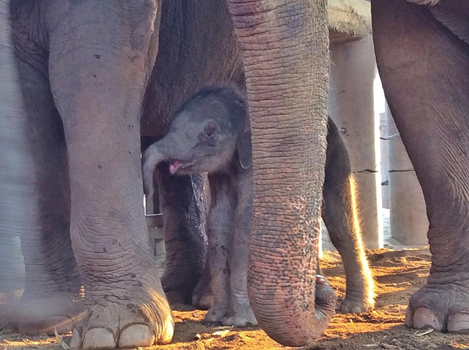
(86,86)
(210,133)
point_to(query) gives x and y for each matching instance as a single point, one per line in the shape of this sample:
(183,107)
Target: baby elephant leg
(241,314)
(341,219)
(202,298)
(220,222)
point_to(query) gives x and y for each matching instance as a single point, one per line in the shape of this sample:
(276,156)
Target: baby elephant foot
(204,301)
(124,326)
(216,313)
(444,308)
(242,317)
(202,297)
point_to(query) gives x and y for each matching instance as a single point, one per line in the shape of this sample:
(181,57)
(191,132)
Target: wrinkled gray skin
(210,133)
(82,82)
(422,51)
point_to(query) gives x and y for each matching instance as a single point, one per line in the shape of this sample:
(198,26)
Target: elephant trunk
(164,149)
(288,42)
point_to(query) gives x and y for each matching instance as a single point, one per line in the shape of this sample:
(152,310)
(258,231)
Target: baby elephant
(210,133)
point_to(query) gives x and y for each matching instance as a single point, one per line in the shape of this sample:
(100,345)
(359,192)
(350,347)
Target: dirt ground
(397,273)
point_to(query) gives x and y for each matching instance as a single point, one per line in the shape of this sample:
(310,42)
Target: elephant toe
(136,335)
(424,318)
(97,338)
(129,325)
(459,322)
(444,309)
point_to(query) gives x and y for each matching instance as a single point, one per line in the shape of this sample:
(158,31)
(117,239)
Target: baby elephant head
(206,134)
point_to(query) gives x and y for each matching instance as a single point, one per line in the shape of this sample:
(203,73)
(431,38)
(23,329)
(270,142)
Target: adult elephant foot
(125,324)
(38,315)
(444,308)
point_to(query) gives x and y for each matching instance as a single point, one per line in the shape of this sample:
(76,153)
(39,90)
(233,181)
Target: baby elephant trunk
(155,154)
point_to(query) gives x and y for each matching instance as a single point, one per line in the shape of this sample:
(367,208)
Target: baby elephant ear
(244,148)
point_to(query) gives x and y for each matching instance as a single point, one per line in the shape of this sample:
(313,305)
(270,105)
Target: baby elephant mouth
(176,164)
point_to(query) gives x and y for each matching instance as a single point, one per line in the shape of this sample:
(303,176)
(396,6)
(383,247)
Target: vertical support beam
(152,206)
(383,144)
(409,223)
(351,106)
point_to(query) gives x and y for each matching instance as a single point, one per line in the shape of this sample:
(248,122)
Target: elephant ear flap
(244,149)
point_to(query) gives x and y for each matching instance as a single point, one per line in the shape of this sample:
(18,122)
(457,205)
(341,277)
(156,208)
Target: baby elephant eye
(210,129)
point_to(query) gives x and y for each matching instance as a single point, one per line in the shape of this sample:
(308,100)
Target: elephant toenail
(168,332)
(136,335)
(99,338)
(424,318)
(458,323)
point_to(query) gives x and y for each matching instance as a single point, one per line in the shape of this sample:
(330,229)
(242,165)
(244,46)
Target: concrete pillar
(351,106)
(408,216)
(383,144)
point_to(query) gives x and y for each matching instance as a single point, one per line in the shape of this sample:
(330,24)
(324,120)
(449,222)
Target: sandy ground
(397,273)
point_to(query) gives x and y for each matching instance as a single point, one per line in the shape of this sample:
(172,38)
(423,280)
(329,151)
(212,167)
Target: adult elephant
(77,75)
(422,50)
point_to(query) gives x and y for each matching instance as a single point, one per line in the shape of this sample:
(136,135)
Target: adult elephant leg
(16,180)
(52,282)
(286,58)
(35,188)
(342,221)
(424,67)
(184,233)
(202,298)
(99,59)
